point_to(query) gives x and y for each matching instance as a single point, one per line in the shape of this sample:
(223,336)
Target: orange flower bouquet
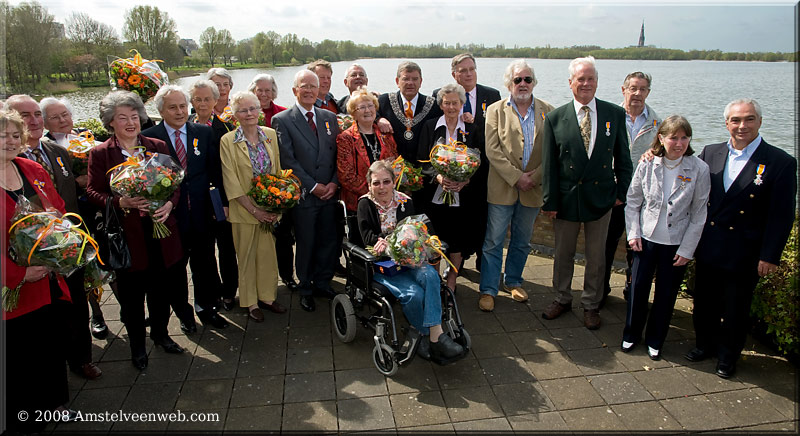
(79,147)
(275,193)
(456,162)
(407,177)
(137,74)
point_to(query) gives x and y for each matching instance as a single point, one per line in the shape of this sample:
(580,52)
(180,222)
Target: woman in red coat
(36,373)
(359,146)
(155,268)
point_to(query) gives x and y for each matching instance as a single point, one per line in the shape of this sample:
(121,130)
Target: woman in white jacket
(664,215)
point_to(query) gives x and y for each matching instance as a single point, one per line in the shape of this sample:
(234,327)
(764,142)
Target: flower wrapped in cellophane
(79,146)
(407,177)
(137,74)
(344,121)
(154,178)
(454,161)
(94,278)
(275,193)
(410,244)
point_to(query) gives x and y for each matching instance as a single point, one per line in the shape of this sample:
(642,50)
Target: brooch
(759,171)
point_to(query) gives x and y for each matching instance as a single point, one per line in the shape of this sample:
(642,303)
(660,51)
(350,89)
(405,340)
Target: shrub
(96,127)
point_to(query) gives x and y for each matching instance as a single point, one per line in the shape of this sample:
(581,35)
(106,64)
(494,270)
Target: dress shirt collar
(747,151)
(642,115)
(304,111)
(460,125)
(171,131)
(413,101)
(592,105)
(524,116)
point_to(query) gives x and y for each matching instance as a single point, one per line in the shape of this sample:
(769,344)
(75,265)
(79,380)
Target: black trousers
(616,227)
(653,257)
(284,246)
(316,233)
(199,248)
(721,314)
(227,280)
(79,345)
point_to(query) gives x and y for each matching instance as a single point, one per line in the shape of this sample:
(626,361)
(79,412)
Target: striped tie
(180,149)
(586,128)
(37,153)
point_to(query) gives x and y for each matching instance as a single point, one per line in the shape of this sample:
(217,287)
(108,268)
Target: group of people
(588,163)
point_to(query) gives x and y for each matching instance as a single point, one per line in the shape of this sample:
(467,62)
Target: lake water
(698,90)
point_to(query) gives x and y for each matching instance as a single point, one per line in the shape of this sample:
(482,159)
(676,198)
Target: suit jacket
(32,295)
(61,163)
(751,221)
(311,157)
(202,171)
(504,147)
(405,147)
(644,138)
(101,159)
(484,97)
(686,203)
(237,171)
(577,187)
(428,138)
(352,162)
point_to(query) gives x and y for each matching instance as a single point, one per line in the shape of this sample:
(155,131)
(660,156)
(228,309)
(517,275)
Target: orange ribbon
(128,162)
(43,232)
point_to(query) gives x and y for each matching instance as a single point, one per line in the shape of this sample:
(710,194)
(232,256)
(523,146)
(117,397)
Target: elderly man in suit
(514,149)
(355,77)
(307,141)
(751,211)
(57,162)
(588,169)
(192,146)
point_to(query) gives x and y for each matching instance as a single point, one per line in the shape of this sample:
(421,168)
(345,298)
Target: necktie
(37,154)
(409,112)
(310,116)
(180,149)
(586,128)
(468,106)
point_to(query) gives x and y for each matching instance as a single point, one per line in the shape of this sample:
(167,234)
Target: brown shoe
(275,307)
(517,293)
(591,319)
(89,371)
(555,309)
(256,315)
(486,303)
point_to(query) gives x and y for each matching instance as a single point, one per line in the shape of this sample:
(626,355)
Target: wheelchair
(372,305)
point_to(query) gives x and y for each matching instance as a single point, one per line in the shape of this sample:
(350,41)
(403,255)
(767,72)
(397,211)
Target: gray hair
(461,58)
(240,97)
(350,69)
(262,77)
(16,99)
(166,89)
(115,99)
(205,83)
(588,60)
(637,75)
(222,72)
(449,89)
(302,73)
(378,166)
(749,101)
(517,65)
(49,101)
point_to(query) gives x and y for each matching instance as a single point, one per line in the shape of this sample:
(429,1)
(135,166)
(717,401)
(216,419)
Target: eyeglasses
(366,107)
(203,100)
(357,74)
(223,84)
(634,89)
(61,116)
(527,79)
(308,86)
(248,110)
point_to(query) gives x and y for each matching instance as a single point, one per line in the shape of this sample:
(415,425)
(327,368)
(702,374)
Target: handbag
(111,240)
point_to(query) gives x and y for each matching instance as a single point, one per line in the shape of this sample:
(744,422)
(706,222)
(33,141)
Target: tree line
(39,50)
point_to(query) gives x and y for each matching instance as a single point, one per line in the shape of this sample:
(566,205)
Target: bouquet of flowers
(407,177)
(456,162)
(344,121)
(79,147)
(275,193)
(94,277)
(155,178)
(137,74)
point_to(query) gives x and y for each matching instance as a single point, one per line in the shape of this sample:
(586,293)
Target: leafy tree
(155,29)
(210,42)
(227,46)
(30,33)
(244,50)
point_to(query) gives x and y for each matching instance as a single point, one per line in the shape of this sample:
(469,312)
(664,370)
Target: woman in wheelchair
(417,289)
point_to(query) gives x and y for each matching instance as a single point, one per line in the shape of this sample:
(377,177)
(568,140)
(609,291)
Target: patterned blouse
(259,157)
(388,214)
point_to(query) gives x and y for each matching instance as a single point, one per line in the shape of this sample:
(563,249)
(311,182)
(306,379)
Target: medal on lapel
(328,127)
(759,171)
(63,169)
(684,180)
(40,185)
(483,107)
(196,150)
(608,128)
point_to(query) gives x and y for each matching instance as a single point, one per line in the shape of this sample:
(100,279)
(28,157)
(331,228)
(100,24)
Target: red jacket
(352,162)
(32,295)
(101,159)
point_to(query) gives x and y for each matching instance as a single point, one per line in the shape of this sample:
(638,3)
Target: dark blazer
(203,170)
(101,159)
(430,136)
(369,223)
(577,187)
(61,161)
(484,97)
(750,222)
(406,148)
(311,158)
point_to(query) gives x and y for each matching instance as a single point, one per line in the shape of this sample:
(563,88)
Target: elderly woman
(264,87)
(665,214)
(222,78)
(417,289)
(33,331)
(249,151)
(454,229)
(155,265)
(57,115)
(360,146)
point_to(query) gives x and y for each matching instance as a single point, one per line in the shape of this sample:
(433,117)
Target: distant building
(58,30)
(188,46)
(641,36)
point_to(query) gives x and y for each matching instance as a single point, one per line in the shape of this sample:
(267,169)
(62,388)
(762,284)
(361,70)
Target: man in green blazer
(587,170)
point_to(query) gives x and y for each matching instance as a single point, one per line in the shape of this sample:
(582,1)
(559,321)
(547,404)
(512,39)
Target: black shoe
(340,270)
(139,362)
(291,284)
(169,345)
(307,303)
(697,355)
(446,348)
(424,348)
(189,328)
(654,354)
(227,305)
(325,293)
(212,318)
(99,328)
(725,369)
(628,348)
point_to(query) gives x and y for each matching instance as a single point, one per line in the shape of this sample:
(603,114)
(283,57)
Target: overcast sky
(727,26)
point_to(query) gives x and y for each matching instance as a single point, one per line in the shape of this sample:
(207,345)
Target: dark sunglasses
(527,79)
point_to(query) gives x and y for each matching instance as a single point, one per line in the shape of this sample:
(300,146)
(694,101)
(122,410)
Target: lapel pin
(196,150)
(608,128)
(64,171)
(759,171)
(328,127)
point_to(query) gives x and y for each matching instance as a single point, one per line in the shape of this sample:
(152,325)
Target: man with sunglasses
(588,168)
(514,151)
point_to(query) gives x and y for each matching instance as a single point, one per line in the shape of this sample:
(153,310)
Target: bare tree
(155,29)
(227,46)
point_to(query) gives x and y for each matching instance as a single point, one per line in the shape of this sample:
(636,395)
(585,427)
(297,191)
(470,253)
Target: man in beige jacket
(514,149)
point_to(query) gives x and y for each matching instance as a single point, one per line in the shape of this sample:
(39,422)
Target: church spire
(641,36)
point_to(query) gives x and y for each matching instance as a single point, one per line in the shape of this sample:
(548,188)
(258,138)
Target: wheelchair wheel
(344,318)
(389,365)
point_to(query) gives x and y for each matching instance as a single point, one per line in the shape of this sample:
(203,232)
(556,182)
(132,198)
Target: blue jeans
(521,219)
(419,291)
